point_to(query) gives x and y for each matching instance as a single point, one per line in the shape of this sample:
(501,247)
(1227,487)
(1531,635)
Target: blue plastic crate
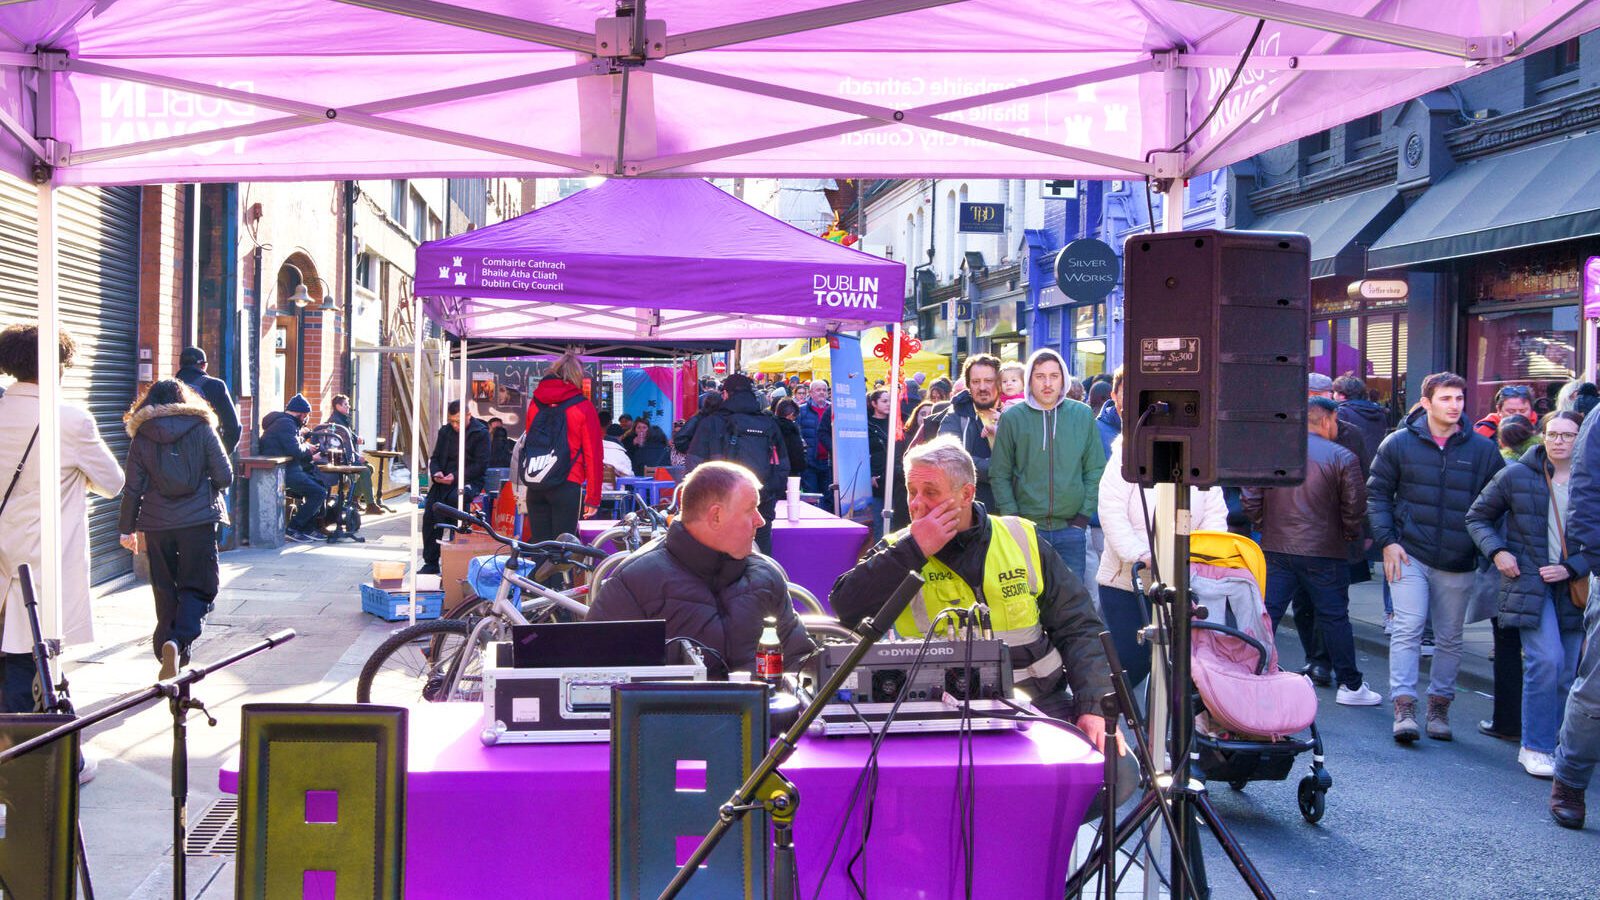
(390,606)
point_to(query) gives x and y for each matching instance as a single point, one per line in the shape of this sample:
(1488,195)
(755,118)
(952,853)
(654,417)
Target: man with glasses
(1511,400)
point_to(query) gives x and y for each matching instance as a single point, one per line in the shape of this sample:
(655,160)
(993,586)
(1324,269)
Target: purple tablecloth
(813,551)
(534,820)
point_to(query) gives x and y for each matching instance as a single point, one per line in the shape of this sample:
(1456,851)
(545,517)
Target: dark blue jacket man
(192,371)
(280,436)
(1578,747)
(816,429)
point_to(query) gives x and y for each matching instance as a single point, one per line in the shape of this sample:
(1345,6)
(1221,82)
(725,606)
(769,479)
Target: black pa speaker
(1214,359)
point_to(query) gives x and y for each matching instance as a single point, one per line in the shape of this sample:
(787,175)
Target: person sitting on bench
(280,436)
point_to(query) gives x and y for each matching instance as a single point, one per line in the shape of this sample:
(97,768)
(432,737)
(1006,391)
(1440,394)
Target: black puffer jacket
(706,595)
(962,422)
(793,444)
(754,438)
(1066,613)
(173,439)
(445,455)
(1419,493)
(1371,420)
(1512,514)
(280,436)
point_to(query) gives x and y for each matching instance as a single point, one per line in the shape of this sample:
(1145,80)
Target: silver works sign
(1087,270)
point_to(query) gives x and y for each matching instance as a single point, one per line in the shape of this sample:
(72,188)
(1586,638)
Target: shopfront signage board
(1087,270)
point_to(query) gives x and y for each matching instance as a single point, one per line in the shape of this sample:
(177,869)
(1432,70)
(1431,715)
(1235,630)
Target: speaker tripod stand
(1182,803)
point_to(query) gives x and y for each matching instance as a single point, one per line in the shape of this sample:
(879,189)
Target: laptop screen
(561,645)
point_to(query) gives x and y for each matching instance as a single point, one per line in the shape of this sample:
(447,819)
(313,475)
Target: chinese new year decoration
(909,347)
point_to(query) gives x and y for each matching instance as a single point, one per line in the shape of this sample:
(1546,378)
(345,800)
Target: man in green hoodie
(1047,461)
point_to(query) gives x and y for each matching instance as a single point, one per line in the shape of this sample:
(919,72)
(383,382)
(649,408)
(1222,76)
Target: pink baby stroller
(1249,713)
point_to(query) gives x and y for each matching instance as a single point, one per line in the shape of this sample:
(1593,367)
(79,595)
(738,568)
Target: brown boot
(1405,720)
(1566,804)
(1439,718)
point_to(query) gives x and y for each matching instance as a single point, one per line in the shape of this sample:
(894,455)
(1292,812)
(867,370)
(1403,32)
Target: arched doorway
(288,369)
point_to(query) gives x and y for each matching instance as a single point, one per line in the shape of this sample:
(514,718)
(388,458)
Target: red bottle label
(769,664)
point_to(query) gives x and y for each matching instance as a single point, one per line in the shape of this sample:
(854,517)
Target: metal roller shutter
(99,276)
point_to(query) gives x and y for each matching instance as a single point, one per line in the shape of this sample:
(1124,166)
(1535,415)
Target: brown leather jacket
(1319,517)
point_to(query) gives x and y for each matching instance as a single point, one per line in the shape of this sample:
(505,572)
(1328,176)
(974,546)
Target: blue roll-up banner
(852,466)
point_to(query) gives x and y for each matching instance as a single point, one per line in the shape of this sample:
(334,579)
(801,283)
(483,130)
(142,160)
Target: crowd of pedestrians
(1466,517)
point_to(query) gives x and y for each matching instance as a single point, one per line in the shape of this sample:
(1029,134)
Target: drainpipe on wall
(349,291)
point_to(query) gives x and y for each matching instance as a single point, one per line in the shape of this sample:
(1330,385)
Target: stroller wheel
(1238,784)
(1313,799)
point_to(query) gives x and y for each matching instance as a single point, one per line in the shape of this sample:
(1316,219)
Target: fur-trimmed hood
(169,421)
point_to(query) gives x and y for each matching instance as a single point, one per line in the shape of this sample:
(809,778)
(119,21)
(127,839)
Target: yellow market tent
(818,363)
(774,364)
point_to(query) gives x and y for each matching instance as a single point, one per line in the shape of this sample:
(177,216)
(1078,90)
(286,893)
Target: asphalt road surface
(1453,820)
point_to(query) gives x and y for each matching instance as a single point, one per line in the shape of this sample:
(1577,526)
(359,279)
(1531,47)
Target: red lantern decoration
(909,347)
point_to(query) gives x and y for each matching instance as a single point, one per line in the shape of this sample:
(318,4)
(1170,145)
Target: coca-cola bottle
(769,653)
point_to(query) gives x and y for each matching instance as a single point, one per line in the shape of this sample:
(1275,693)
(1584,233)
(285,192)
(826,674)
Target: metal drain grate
(217,832)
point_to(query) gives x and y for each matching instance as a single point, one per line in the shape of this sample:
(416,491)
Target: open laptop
(559,645)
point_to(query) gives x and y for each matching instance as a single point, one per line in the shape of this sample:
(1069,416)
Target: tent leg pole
(461,434)
(894,412)
(415,513)
(49,442)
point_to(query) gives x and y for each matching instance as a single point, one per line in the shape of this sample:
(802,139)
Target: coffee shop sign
(1384,290)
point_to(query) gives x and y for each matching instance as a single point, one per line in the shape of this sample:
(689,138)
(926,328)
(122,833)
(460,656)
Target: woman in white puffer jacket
(1127,542)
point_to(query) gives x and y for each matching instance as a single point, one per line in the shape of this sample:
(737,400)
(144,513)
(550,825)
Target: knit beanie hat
(297,404)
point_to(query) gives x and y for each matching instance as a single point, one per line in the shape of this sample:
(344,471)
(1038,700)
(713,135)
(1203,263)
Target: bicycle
(442,660)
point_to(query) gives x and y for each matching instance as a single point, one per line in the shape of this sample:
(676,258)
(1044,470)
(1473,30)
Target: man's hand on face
(934,530)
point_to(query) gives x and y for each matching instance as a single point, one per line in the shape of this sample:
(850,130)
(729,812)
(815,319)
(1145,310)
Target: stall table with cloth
(814,550)
(536,817)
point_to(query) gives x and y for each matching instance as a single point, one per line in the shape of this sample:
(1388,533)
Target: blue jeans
(1579,747)
(1549,663)
(1323,584)
(1071,544)
(313,495)
(1125,613)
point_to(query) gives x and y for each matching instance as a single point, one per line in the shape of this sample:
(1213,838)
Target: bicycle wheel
(415,662)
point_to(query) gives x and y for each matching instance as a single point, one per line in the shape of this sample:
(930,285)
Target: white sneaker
(1539,765)
(1388,623)
(1427,646)
(87,771)
(1361,696)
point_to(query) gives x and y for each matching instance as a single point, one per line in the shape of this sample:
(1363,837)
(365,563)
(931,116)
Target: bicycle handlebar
(542,548)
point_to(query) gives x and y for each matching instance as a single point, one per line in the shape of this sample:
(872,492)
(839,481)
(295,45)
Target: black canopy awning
(1540,195)
(1339,229)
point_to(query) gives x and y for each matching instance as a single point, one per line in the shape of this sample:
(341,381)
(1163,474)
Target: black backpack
(174,473)
(751,441)
(543,455)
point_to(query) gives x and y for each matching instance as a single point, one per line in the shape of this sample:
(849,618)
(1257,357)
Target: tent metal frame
(646,56)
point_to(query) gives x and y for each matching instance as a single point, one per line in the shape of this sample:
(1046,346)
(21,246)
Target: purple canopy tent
(648,260)
(651,260)
(140,91)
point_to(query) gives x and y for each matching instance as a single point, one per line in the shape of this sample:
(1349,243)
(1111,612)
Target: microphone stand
(176,690)
(766,788)
(52,699)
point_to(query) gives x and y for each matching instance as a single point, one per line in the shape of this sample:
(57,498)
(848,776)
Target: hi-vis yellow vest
(1012,580)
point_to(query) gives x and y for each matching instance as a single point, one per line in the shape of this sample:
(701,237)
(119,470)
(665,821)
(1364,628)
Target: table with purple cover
(814,550)
(533,820)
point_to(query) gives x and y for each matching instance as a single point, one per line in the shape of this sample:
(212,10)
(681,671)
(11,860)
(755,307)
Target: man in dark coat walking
(192,372)
(703,578)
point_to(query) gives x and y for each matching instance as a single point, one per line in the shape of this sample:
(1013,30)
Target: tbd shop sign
(981,218)
(1087,270)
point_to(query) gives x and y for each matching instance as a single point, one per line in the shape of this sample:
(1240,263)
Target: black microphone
(894,606)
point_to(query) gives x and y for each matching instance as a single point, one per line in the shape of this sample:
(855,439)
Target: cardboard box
(453,560)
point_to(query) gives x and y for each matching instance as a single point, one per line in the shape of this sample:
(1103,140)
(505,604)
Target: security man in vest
(1037,606)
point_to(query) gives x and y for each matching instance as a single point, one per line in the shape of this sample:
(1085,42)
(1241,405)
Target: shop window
(1364,136)
(1316,152)
(1533,347)
(1087,344)
(1554,72)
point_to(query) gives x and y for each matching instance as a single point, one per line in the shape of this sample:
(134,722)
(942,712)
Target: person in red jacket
(555,512)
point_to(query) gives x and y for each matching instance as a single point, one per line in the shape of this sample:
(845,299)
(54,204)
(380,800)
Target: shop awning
(1339,229)
(1535,196)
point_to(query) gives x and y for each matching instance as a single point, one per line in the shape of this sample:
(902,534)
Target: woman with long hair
(1519,523)
(647,447)
(176,473)
(554,509)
